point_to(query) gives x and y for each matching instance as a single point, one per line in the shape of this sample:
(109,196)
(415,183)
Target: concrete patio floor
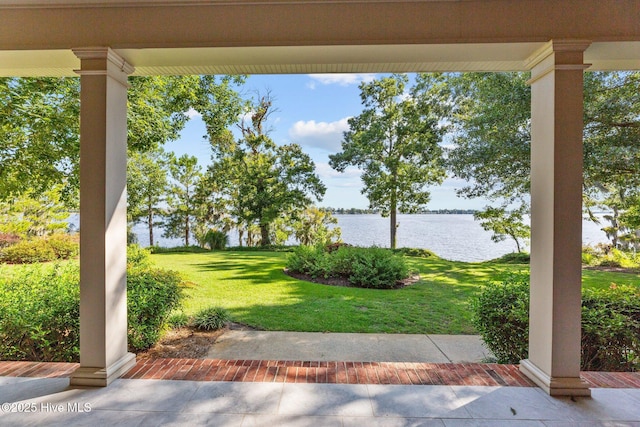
(130,402)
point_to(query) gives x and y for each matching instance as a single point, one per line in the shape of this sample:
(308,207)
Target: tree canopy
(395,141)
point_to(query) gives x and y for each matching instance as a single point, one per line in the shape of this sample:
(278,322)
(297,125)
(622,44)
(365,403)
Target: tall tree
(260,181)
(504,223)
(395,142)
(39,124)
(492,141)
(183,206)
(146,188)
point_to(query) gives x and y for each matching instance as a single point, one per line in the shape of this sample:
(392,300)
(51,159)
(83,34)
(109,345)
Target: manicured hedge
(610,324)
(57,246)
(39,309)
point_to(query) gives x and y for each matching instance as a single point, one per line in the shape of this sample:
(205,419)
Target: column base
(555,386)
(102,377)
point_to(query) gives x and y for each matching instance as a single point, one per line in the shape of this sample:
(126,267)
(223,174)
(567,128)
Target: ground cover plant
(252,286)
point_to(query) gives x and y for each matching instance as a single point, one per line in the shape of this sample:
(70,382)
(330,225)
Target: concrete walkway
(316,346)
(51,402)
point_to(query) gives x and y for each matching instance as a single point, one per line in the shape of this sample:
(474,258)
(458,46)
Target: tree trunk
(150,221)
(264,233)
(393,227)
(186,232)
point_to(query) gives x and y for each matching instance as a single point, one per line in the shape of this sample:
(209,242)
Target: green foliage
(33,214)
(611,329)
(605,256)
(58,246)
(211,318)
(395,141)
(364,267)
(416,252)
(176,249)
(39,310)
(610,324)
(505,224)
(513,258)
(39,313)
(183,207)
(501,317)
(216,239)
(146,188)
(312,227)
(178,320)
(138,257)
(8,239)
(259,181)
(152,294)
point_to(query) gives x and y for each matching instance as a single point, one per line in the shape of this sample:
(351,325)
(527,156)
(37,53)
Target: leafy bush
(39,313)
(39,310)
(416,252)
(64,245)
(605,256)
(513,258)
(610,324)
(211,318)
(363,267)
(501,317)
(28,252)
(152,294)
(138,257)
(57,246)
(217,240)
(611,329)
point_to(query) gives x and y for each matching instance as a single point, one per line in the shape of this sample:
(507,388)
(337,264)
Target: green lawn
(252,286)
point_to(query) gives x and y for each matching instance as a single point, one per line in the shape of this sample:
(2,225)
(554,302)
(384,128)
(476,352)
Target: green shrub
(152,294)
(57,246)
(513,258)
(178,320)
(611,329)
(28,252)
(138,257)
(416,252)
(362,267)
(501,317)
(64,245)
(610,324)
(217,240)
(39,313)
(39,310)
(211,318)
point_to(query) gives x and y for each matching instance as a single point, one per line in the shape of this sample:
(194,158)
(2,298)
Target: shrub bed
(362,267)
(57,246)
(610,324)
(39,309)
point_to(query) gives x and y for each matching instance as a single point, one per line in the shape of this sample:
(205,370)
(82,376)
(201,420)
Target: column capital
(555,46)
(103,61)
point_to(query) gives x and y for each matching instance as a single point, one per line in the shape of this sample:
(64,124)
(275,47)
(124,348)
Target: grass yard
(253,287)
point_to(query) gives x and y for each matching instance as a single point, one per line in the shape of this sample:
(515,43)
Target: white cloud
(191,113)
(319,134)
(340,79)
(347,179)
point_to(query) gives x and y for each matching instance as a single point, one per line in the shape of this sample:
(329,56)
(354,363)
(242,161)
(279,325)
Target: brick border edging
(454,374)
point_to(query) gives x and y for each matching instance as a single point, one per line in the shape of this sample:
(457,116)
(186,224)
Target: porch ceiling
(318,59)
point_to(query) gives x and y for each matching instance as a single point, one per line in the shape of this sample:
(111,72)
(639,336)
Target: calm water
(454,237)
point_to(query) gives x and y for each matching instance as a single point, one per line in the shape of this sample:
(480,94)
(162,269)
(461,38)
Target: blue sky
(312,111)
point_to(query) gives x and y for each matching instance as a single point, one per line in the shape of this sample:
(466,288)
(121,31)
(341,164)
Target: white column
(556,218)
(103,218)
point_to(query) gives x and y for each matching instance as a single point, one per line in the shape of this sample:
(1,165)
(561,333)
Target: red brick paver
(482,374)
